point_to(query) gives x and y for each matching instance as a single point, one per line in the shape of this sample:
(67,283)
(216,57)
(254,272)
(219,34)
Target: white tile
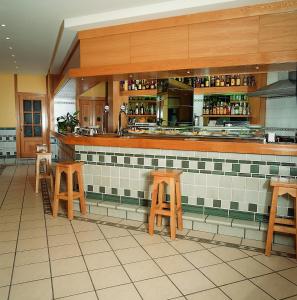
(31,256)
(202,258)
(174,264)
(101,260)
(5,276)
(124,292)
(131,255)
(69,265)
(208,295)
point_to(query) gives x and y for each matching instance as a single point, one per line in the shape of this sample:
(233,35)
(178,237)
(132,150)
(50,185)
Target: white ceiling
(33,25)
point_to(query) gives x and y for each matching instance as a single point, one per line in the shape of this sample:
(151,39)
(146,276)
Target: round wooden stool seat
(281,186)
(159,207)
(44,160)
(69,168)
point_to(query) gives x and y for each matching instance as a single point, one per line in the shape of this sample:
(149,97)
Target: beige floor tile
(283,248)
(251,253)
(64,251)
(201,234)
(58,221)
(111,219)
(62,239)
(131,255)
(5,276)
(31,272)
(212,294)
(62,229)
(94,247)
(184,246)
(69,265)
(143,270)
(121,292)
(292,298)
(227,253)
(249,267)
(160,250)
(4,292)
(32,233)
(7,219)
(276,263)
(32,217)
(227,239)
(253,243)
(86,236)
(146,239)
(80,226)
(83,296)
(31,256)
(9,226)
(221,274)
(31,244)
(290,274)
(32,224)
(122,242)
(72,284)
(191,281)
(131,223)
(6,260)
(202,258)
(101,260)
(109,277)
(174,264)
(209,245)
(10,212)
(276,286)
(111,232)
(6,236)
(7,247)
(35,290)
(245,290)
(162,289)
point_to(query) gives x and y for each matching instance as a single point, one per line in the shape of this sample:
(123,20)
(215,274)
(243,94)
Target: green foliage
(68,122)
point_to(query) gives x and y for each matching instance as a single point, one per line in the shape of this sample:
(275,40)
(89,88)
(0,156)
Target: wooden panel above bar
(240,146)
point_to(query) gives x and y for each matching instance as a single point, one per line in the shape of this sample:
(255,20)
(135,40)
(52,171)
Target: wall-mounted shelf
(224,90)
(228,116)
(152,92)
(142,116)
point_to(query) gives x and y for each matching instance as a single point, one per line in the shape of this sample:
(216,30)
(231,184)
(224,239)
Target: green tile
(170,157)
(217,172)
(205,171)
(169,163)
(259,162)
(101,158)
(288,164)
(262,217)
(102,189)
(218,160)
(230,174)
(218,166)
(139,155)
(194,158)
(90,188)
(114,159)
(159,156)
(77,156)
(216,211)
(201,165)
(155,162)
(129,200)
(293,171)
(236,167)
(185,164)
(200,201)
(184,199)
(274,170)
(244,161)
(127,193)
(258,176)
(206,159)
(112,198)
(254,168)
(89,157)
(244,174)
(109,153)
(252,207)
(140,194)
(234,205)
(273,163)
(114,191)
(140,161)
(232,161)
(149,156)
(216,203)
(144,202)
(192,208)
(242,215)
(94,195)
(127,160)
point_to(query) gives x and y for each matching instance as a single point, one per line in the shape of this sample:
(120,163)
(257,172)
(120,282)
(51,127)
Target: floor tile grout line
(121,262)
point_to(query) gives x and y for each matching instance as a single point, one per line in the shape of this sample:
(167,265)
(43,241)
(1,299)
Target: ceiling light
(12,55)
(3,25)
(188,72)
(16,67)
(15,62)
(130,75)
(7,38)
(10,47)
(257,67)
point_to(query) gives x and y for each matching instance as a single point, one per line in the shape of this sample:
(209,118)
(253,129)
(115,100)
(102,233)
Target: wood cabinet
(90,112)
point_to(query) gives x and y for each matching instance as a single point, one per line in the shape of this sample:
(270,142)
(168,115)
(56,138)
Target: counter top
(179,143)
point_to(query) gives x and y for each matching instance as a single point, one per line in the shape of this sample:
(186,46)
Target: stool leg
(271,221)
(172,209)
(56,193)
(160,202)
(82,200)
(295,213)
(49,172)
(179,206)
(153,207)
(70,194)
(37,175)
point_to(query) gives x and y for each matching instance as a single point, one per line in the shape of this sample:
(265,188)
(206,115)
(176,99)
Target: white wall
(62,106)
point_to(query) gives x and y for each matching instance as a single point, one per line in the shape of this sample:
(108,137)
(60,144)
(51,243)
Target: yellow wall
(96,91)
(32,84)
(7,101)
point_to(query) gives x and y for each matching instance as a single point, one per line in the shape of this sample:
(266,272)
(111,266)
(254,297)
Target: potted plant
(67,123)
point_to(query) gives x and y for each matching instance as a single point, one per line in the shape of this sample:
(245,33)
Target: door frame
(45,135)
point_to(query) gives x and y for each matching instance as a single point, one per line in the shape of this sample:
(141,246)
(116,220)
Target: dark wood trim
(239,146)
(92,98)
(17,115)
(74,46)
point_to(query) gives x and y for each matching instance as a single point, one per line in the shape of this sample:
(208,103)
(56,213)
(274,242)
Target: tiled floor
(44,258)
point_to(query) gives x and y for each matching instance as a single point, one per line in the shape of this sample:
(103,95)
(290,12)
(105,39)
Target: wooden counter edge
(243,147)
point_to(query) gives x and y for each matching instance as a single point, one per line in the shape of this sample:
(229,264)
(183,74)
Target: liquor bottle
(212,81)
(139,86)
(198,82)
(206,81)
(227,80)
(136,112)
(141,110)
(244,81)
(232,81)
(143,84)
(129,85)
(238,80)
(202,82)
(222,81)
(217,81)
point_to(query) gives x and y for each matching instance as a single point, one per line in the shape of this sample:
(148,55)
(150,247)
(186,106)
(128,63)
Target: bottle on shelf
(206,81)
(232,80)
(217,81)
(237,80)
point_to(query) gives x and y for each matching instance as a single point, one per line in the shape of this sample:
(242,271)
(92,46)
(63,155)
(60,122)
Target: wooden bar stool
(69,168)
(284,225)
(161,208)
(43,159)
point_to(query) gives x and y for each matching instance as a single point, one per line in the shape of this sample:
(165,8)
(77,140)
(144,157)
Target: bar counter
(194,143)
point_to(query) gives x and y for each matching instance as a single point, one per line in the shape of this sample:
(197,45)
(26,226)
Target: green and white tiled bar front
(225,193)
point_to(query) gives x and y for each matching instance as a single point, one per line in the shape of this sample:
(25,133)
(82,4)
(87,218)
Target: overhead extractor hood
(281,88)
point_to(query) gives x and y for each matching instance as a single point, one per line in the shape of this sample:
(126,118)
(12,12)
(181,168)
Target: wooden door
(32,115)
(98,112)
(85,113)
